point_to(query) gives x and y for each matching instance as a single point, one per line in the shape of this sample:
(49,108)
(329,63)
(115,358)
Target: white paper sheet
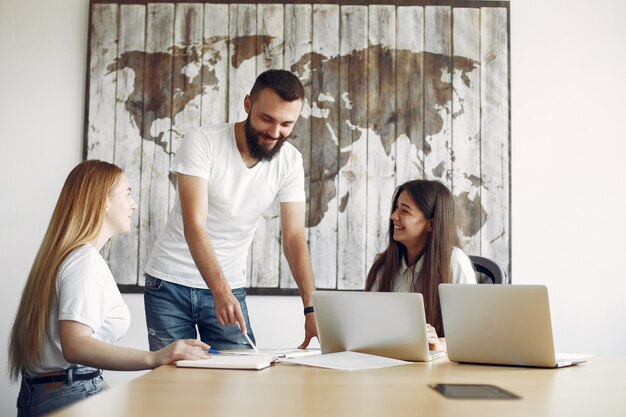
(346,361)
(277,352)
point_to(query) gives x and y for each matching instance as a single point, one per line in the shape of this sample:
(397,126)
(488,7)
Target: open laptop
(384,324)
(500,324)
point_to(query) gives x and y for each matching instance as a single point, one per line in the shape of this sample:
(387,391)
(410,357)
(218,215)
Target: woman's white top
(460,266)
(86,293)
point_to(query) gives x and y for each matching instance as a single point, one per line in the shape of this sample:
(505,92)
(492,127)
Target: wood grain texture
(102,85)
(102,82)
(466,126)
(157,122)
(242,56)
(266,248)
(437,94)
(123,255)
(241,70)
(594,388)
(409,94)
(381,126)
(214,102)
(325,147)
(495,136)
(299,43)
(352,178)
(186,77)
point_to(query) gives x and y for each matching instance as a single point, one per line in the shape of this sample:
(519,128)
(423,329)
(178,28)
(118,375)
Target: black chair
(488,271)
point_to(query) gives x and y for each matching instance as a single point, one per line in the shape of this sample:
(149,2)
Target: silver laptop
(500,324)
(384,324)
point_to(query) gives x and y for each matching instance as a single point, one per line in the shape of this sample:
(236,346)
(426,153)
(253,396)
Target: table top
(597,387)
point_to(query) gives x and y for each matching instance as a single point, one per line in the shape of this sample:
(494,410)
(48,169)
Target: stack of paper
(230,362)
(347,361)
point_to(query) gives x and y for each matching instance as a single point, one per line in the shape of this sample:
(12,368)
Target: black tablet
(477,391)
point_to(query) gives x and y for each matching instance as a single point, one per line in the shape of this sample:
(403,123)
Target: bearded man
(227,176)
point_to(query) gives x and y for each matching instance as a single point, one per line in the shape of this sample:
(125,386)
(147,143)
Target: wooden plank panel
(242,53)
(298,44)
(381,131)
(324,167)
(466,126)
(352,178)
(155,157)
(128,123)
(410,94)
(241,70)
(359,134)
(215,64)
(102,82)
(495,162)
(186,77)
(438,94)
(102,85)
(270,43)
(266,244)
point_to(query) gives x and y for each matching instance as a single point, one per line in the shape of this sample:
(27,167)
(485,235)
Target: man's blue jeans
(175,311)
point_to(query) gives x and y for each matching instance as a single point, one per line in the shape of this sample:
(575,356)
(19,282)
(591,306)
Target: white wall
(569,170)
(568,146)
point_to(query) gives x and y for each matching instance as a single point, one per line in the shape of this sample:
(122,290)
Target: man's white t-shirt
(86,293)
(237,197)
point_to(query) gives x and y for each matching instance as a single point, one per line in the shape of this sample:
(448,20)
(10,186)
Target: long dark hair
(437,204)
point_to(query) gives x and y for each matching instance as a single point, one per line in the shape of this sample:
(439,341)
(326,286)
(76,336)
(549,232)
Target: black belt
(63,377)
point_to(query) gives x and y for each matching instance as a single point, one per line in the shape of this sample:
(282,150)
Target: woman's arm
(436,344)
(80,347)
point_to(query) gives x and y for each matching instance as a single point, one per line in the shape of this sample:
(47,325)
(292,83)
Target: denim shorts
(175,311)
(39,399)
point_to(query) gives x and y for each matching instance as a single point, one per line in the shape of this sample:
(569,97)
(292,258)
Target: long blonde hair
(76,220)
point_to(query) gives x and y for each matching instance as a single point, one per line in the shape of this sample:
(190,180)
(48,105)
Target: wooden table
(596,388)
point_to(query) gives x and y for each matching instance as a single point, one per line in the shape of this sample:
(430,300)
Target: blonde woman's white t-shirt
(237,198)
(86,293)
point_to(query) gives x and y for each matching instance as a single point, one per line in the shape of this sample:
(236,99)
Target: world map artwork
(197,68)
(377,113)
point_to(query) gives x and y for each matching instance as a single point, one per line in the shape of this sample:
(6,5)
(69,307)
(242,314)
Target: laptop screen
(385,324)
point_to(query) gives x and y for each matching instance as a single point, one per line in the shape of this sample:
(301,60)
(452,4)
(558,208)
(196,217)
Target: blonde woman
(71,313)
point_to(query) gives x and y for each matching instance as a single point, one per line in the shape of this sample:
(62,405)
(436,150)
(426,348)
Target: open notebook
(500,324)
(255,362)
(392,325)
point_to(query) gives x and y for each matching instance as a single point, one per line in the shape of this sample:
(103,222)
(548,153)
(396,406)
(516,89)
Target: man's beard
(258,151)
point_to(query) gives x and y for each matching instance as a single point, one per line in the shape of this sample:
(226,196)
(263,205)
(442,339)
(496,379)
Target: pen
(213,351)
(251,344)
